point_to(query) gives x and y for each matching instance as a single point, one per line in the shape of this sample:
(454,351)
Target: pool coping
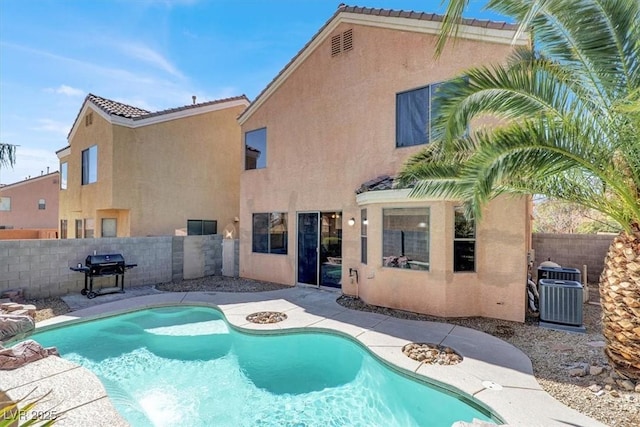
(493,372)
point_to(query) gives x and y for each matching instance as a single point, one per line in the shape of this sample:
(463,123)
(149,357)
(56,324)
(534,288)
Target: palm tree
(569,114)
(7,154)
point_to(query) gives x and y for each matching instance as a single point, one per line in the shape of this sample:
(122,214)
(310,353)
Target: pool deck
(493,372)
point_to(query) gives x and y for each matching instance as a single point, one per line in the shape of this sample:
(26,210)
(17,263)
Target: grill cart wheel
(91,295)
(83,292)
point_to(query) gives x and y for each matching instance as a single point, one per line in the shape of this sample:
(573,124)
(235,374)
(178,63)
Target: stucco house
(322,143)
(131,172)
(29,208)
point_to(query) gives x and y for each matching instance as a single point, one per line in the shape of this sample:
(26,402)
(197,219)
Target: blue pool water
(184,366)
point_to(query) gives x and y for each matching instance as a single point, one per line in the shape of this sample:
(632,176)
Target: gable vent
(347,40)
(335,45)
(342,42)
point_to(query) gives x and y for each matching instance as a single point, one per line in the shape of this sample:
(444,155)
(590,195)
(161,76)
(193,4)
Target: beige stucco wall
(153,178)
(179,170)
(25,196)
(330,128)
(81,201)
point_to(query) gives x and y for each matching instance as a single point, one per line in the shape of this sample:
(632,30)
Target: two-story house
(29,208)
(322,143)
(131,172)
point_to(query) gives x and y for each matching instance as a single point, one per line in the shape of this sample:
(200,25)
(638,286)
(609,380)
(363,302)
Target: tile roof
(190,106)
(482,23)
(383,182)
(116,108)
(410,14)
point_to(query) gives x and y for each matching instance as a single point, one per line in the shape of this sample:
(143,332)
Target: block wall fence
(41,267)
(573,250)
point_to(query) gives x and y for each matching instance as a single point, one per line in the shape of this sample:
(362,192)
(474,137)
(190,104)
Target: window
(270,233)
(201,227)
(5,204)
(109,227)
(363,236)
(405,238)
(464,242)
(42,205)
(89,225)
(414,113)
(63,228)
(90,165)
(63,175)
(78,229)
(255,149)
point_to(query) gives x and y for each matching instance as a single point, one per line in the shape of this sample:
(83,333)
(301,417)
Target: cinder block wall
(41,267)
(573,250)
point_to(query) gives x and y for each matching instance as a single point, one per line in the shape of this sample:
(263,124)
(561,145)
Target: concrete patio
(493,372)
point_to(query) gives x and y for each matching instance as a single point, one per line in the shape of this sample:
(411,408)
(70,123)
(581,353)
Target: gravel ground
(565,364)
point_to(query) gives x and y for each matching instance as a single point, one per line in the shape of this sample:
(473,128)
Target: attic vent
(88,119)
(335,45)
(347,40)
(341,42)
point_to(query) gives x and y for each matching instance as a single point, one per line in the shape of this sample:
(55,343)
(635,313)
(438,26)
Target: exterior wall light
(351,222)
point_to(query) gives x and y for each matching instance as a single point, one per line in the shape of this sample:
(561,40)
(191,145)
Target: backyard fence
(41,267)
(574,250)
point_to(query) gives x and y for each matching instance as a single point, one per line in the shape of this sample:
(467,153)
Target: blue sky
(153,54)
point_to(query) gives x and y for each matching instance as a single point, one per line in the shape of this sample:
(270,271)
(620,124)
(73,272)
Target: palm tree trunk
(620,297)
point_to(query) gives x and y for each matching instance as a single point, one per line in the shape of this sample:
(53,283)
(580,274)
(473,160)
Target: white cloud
(66,90)
(49,125)
(146,54)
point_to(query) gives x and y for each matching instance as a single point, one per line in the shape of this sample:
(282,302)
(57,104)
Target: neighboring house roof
(116,108)
(27,180)
(387,18)
(130,116)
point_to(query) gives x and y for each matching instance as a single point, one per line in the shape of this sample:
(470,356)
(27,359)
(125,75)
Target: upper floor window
(42,204)
(405,238)
(90,165)
(64,169)
(255,149)
(464,242)
(5,204)
(270,233)
(414,113)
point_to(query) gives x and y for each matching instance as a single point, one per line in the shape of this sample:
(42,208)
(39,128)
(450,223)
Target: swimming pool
(186,366)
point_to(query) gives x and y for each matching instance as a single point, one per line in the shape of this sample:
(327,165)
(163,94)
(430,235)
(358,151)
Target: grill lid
(112,259)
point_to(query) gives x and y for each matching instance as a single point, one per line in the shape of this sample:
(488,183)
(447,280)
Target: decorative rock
(577,372)
(626,384)
(609,380)
(600,393)
(595,388)
(11,325)
(23,353)
(614,393)
(608,387)
(595,370)
(264,317)
(637,388)
(432,354)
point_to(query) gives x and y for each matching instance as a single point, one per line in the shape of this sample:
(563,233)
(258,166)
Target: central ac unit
(561,304)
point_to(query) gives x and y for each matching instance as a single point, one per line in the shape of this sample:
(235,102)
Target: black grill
(103,266)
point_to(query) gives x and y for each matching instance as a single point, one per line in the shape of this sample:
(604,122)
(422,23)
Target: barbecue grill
(103,266)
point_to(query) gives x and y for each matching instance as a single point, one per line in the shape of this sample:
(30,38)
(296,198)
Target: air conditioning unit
(561,305)
(559,273)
